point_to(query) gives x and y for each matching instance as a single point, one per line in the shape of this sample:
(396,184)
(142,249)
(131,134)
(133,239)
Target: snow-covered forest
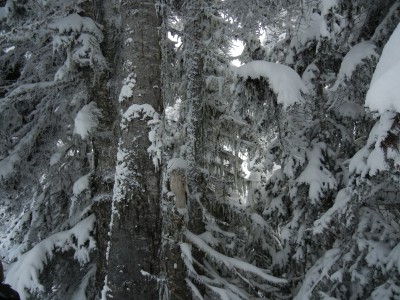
(200,149)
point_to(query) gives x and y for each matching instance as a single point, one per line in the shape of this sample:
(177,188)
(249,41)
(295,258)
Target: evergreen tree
(47,120)
(135,157)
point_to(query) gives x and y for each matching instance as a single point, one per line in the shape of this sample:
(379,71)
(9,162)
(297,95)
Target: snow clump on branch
(284,81)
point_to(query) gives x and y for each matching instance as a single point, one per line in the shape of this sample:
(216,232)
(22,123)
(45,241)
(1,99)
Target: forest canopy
(188,149)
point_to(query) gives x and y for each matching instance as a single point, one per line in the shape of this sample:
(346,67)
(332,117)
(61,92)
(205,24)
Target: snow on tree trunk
(193,120)
(105,142)
(131,257)
(185,179)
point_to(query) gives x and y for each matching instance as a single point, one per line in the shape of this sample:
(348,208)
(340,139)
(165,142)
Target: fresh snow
(81,38)
(209,238)
(74,23)
(327,5)
(221,292)
(316,175)
(371,158)
(122,173)
(276,205)
(341,201)
(317,273)
(309,30)
(284,81)
(137,111)
(80,294)
(309,75)
(186,254)
(194,289)
(86,120)
(352,59)
(230,262)
(88,51)
(63,72)
(24,274)
(384,92)
(55,158)
(393,259)
(176,164)
(127,87)
(27,88)
(388,290)
(7,165)
(143,111)
(81,184)
(106,289)
(5,11)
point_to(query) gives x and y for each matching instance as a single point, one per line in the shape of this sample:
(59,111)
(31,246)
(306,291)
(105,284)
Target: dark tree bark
(175,223)
(135,222)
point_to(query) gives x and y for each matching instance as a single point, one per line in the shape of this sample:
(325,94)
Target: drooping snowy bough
(283,80)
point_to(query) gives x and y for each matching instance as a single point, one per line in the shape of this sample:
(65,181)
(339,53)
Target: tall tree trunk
(194,122)
(194,154)
(183,210)
(105,141)
(135,222)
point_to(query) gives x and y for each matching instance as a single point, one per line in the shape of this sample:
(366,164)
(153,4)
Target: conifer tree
(46,165)
(135,157)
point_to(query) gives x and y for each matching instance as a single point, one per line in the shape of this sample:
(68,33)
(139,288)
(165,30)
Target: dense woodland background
(139,161)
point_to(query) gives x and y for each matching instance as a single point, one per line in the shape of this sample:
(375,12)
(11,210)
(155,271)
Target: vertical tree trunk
(102,91)
(194,97)
(191,179)
(135,223)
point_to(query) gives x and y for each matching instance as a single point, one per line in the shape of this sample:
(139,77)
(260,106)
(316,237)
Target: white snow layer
(6,10)
(284,81)
(316,175)
(230,262)
(371,159)
(80,293)
(77,24)
(352,59)
(318,272)
(55,158)
(143,111)
(24,274)
(122,173)
(329,31)
(176,164)
(127,87)
(384,92)
(81,184)
(7,165)
(138,111)
(87,120)
(327,5)
(341,201)
(309,30)
(81,38)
